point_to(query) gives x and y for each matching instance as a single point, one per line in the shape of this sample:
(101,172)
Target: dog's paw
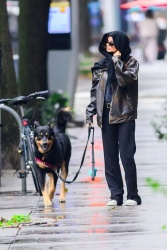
(48,203)
(62,201)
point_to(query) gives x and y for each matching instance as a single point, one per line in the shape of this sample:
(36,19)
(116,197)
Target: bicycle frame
(27,149)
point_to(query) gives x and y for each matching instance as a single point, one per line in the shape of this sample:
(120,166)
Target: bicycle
(26,147)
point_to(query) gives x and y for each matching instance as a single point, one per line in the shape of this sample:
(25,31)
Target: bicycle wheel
(28,162)
(32,161)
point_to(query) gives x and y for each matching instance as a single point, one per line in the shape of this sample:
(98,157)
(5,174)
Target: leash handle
(93,156)
(83,157)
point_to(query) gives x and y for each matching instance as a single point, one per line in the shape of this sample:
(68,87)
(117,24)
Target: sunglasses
(110,43)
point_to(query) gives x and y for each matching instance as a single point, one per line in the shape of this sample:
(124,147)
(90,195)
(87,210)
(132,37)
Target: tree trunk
(8,89)
(33,22)
(9,86)
(84,26)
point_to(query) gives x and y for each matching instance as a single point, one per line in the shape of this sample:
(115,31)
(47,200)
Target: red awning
(143,4)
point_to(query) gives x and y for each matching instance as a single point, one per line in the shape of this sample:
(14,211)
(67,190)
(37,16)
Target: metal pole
(17,117)
(0,112)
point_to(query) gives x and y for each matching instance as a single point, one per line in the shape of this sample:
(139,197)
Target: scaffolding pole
(0,111)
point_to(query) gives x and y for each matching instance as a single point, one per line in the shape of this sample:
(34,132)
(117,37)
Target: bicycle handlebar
(25,99)
(3,101)
(19,100)
(44,93)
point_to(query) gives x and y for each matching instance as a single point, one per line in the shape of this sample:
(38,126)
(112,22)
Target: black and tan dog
(52,153)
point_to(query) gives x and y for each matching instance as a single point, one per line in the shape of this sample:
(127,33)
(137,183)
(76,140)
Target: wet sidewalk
(85,222)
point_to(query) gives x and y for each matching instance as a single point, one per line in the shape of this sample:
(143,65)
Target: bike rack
(16,116)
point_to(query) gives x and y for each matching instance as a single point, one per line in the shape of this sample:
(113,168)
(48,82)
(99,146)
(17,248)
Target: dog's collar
(46,164)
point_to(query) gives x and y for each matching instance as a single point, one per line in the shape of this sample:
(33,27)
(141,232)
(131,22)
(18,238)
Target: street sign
(59,25)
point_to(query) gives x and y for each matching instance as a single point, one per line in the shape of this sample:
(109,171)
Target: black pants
(120,138)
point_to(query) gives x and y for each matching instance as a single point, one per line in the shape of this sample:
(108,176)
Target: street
(84,221)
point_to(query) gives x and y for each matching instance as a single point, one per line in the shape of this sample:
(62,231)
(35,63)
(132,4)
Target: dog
(52,154)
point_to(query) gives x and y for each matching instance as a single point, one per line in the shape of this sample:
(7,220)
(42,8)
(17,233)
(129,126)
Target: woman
(114,98)
(148,33)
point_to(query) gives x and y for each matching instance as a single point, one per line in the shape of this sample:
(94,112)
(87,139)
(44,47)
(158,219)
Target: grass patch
(86,62)
(156,186)
(15,220)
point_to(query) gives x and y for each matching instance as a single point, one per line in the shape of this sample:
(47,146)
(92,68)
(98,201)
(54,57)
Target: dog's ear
(36,124)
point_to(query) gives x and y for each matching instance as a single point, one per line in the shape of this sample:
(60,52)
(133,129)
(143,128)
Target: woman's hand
(117,53)
(89,125)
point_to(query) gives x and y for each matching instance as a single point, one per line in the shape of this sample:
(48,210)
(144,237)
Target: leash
(83,157)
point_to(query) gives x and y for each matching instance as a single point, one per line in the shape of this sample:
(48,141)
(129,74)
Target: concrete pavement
(85,222)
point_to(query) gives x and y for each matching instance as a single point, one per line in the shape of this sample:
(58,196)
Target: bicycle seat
(19,100)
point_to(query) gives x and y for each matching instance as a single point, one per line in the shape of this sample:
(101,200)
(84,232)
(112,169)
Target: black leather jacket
(124,102)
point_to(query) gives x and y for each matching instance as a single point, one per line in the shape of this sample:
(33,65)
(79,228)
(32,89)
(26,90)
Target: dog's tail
(63,116)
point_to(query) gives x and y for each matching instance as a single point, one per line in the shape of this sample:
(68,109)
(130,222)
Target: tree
(33,28)
(8,89)
(9,86)
(33,31)
(84,26)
